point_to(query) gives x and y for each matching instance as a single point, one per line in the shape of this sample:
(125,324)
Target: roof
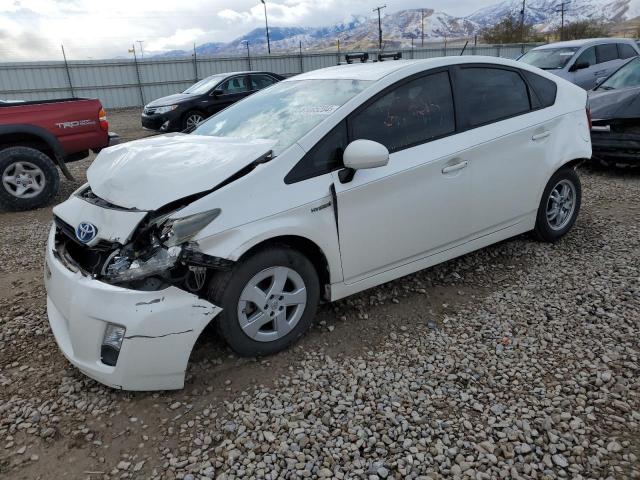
(356,71)
(584,42)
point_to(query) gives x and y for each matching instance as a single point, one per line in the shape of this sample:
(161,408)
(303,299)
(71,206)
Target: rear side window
(488,94)
(543,89)
(259,82)
(324,157)
(412,113)
(606,52)
(626,51)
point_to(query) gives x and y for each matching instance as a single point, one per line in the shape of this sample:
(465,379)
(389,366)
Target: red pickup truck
(37,137)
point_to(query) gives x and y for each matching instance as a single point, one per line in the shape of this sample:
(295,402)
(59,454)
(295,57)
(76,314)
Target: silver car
(583,62)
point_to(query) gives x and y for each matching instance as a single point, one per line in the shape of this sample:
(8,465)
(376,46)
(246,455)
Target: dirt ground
(89,430)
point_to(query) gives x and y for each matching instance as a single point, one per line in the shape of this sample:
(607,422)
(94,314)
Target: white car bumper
(161,327)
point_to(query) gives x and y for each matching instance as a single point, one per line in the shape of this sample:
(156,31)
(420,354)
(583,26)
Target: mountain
(399,28)
(544,15)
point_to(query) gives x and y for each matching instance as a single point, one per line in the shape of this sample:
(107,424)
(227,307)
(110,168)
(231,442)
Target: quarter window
(606,52)
(324,157)
(488,94)
(626,51)
(413,113)
(544,89)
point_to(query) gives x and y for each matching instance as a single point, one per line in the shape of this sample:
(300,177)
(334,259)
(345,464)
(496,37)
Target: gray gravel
(518,361)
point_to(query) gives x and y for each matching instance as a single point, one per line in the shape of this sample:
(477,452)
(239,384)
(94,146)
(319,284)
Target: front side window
(588,57)
(627,76)
(203,86)
(488,94)
(284,112)
(606,52)
(412,113)
(549,58)
(234,85)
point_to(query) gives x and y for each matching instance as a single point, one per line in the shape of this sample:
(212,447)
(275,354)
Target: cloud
(99,29)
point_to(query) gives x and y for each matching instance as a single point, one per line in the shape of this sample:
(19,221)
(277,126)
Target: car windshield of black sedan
(549,58)
(203,86)
(627,76)
(284,112)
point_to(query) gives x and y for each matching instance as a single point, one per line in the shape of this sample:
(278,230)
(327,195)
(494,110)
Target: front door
(419,203)
(232,90)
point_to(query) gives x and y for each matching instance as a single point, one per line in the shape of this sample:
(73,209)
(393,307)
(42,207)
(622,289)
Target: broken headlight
(180,230)
(122,268)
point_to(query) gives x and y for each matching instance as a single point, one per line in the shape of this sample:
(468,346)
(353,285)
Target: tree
(509,30)
(584,29)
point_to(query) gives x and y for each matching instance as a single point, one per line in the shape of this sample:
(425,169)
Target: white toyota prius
(318,187)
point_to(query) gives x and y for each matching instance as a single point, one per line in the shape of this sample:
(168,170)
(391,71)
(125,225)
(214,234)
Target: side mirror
(217,92)
(579,66)
(361,154)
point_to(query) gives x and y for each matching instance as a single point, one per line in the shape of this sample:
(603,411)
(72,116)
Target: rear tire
(29,178)
(559,206)
(259,316)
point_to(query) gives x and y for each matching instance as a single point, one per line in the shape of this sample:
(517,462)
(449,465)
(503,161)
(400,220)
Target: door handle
(540,136)
(455,167)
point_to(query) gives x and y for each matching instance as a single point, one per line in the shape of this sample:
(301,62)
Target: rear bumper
(620,147)
(161,327)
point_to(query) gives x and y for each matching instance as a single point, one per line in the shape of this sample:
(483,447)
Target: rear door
(260,81)
(419,203)
(511,134)
(608,60)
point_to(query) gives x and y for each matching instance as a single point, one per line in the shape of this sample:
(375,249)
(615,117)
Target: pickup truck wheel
(268,301)
(29,178)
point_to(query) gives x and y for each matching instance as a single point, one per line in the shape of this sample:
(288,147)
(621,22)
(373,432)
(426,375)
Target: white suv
(323,185)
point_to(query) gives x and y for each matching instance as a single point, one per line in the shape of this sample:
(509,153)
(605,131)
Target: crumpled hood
(149,173)
(609,104)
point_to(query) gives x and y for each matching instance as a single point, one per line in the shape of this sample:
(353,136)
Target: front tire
(559,206)
(268,301)
(192,119)
(29,178)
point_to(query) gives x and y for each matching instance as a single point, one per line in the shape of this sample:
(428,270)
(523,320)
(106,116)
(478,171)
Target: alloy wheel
(272,303)
(194,120)
(23,179)
(561,204)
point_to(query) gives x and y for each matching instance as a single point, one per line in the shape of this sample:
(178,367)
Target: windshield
(627,76)
(203,86)
(549,58)
(283,112)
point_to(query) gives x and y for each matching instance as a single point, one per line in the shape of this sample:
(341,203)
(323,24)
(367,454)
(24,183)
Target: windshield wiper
(605,87)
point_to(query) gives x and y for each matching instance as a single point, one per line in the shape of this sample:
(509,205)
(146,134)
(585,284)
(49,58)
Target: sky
(35,29)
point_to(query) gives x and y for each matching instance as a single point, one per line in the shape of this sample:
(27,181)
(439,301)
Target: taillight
(102,116)
(589,118)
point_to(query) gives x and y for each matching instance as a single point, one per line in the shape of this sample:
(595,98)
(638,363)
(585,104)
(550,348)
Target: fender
(44,135)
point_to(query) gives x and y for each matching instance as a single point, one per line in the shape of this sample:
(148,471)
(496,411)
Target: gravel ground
(517,361)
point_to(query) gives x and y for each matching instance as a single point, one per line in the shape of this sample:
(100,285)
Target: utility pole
(522,26)
(248,54)
(379,25)
(140,42)
(266,26)
(561,8)
(422,44)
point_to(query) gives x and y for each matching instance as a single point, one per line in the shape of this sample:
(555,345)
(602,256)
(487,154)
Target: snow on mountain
(399,28)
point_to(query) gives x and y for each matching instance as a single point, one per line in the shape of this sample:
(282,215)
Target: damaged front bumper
(162,326)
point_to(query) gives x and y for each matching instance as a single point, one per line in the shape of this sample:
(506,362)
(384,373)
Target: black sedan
(615,109)
(183,111)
